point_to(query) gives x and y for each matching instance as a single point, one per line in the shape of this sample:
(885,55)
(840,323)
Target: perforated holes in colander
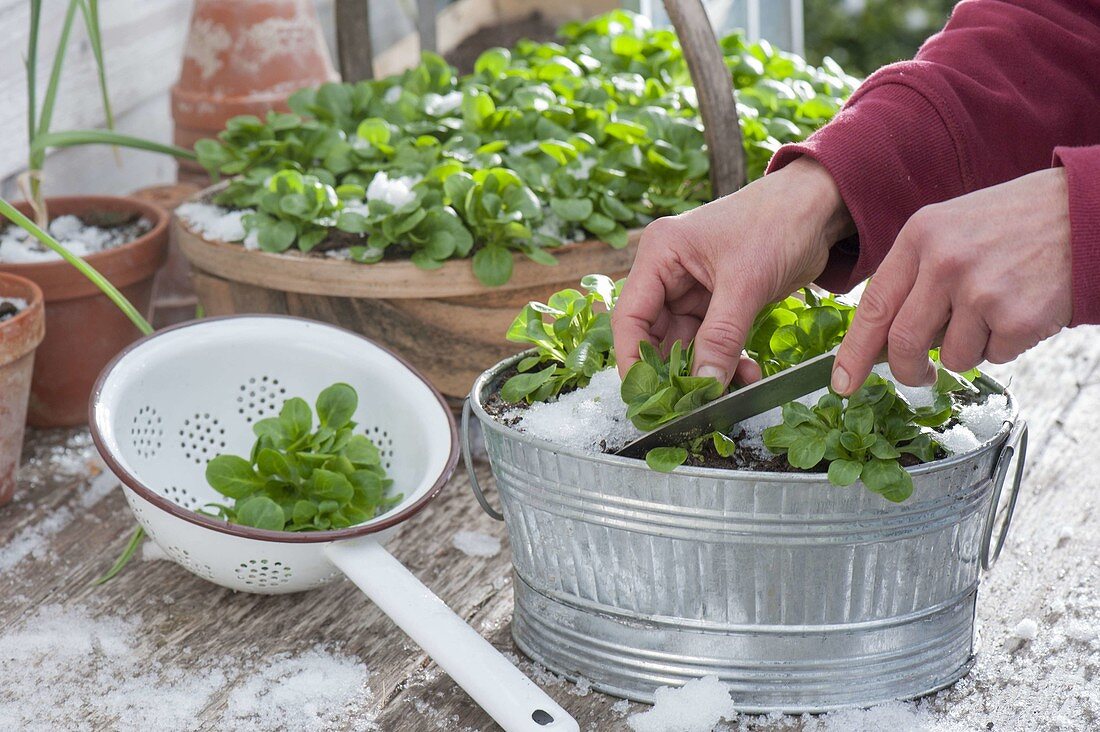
(202,437)
(183,558)
(147,432)
(261,396)
(181,497)
(262,573)
(384,443)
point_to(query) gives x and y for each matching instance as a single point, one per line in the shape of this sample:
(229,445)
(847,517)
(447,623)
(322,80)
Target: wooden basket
(444,321)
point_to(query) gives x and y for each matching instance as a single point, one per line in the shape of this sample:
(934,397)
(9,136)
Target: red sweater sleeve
(1082,166)
(985,101)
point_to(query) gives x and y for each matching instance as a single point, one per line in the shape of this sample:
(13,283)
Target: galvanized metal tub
(800,595)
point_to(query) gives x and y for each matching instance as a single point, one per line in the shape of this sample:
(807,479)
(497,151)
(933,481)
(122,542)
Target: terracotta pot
(84,328)
(245,57)
(19,336)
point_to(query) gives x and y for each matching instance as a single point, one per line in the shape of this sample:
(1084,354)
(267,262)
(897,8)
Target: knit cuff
(1082,166)
(890,153)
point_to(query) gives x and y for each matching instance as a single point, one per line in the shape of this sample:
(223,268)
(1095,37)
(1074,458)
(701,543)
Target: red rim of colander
(247,532)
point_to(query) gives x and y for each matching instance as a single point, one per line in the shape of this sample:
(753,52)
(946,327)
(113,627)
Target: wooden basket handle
(714,88)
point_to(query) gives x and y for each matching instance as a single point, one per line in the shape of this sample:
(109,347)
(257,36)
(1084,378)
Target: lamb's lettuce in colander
(303,479)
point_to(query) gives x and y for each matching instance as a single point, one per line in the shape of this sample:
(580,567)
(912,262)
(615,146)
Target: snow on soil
(226,224)
(697,706)
(958,440)
(67,669)
(214,222)
(18,302)
(476,544)
(18,247)
(395,191)
(593,418)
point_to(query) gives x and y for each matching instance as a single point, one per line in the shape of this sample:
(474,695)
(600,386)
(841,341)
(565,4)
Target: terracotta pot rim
(60,275)
(261,97)
(343,278)
(35,311)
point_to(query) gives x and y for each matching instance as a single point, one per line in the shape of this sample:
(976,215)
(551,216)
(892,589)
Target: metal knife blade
(748,401)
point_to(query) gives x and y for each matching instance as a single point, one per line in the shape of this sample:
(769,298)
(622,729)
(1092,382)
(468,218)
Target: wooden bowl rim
(320,275)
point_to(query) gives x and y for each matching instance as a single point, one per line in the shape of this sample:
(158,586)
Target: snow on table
(168,643)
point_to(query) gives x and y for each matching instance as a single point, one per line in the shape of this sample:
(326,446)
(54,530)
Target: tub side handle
(1015,445)
(468,459)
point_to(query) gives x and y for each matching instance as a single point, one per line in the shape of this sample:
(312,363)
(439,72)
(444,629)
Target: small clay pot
(84,328)
(244,57)
(19,336)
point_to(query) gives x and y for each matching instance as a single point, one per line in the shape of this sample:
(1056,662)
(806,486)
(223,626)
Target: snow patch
(151,552)
(34,541)
(18,302)
(214,222)
(986,418)
(582,687)
(697,706)
(395,191)
(436,105)
(64,668)
(958,440)
(591,419)
(305,691)
(476,544)
(1027,629)
(18,247)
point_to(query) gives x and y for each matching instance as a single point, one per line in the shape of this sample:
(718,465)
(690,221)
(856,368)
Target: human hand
(705,274)
(993,267)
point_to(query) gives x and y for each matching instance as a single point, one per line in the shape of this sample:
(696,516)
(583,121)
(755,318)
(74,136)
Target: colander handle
(468,459)
(1016,444)
(498,687)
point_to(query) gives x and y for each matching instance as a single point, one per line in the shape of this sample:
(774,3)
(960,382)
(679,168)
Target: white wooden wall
(143,41)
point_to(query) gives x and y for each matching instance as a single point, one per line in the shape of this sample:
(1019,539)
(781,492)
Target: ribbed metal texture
(800,595)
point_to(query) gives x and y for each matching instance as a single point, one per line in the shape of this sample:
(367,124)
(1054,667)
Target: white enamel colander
(172,401)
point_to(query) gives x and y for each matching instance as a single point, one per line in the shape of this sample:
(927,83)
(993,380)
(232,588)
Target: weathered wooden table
(158,648)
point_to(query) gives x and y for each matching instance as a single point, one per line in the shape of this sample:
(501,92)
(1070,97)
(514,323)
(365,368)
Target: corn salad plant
(865,437)
(301,478)
(542,144)
(571,348)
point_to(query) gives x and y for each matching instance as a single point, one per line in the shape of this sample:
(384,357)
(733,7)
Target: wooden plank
(353,40)
(426,24)
(143,42)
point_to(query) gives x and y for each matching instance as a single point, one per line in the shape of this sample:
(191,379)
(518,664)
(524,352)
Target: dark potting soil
(497,408)
(7,310)
(534,27)
(743,458)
